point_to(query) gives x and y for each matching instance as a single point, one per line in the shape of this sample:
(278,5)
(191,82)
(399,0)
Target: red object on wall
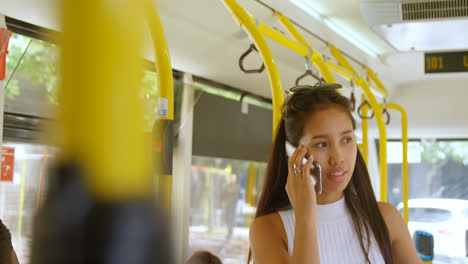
(5,35)
(8,163)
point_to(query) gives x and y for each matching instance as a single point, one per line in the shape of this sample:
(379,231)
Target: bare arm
(269,241)
(267,235)
(306,241)
(266,241)
(402,245)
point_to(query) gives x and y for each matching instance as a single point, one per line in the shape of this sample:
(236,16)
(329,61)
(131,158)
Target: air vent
(412,11)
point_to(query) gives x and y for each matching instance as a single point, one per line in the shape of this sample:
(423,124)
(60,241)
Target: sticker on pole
(163,107)
(157,146)
(8,162)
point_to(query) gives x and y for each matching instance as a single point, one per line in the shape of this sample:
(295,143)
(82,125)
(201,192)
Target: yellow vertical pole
(101,111)
(316,58)
(270,64)
(251,181)
(250,195)
(365,136)
(166,95)
(379,117)
(229,171)
(209,204)
(21,203)
(404,141)
(163,61)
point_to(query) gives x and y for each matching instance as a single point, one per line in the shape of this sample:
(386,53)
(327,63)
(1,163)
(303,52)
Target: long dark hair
(6,248)
(359,195)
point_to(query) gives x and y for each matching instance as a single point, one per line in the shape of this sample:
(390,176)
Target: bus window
(438,197)
(222,206)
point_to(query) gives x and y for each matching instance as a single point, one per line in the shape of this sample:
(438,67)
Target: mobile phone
(315,170)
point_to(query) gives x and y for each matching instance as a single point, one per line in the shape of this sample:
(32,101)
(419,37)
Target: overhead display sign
(443,62)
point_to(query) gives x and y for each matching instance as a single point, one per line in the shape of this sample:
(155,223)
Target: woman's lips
(337,175)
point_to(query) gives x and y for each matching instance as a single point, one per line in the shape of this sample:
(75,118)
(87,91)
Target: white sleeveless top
(337,240)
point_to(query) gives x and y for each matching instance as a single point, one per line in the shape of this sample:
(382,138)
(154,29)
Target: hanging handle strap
(244,55)
(352,99)
(385,112)
(360,108)
(308,71)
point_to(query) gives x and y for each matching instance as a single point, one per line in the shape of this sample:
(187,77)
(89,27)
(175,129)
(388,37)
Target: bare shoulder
(403,250)
(268,239)
(388,210)
(266,225)
(393,219)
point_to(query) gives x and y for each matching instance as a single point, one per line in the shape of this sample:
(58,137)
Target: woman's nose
(336,156)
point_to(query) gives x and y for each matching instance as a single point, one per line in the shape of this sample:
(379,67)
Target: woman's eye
(347,140)
(321,145)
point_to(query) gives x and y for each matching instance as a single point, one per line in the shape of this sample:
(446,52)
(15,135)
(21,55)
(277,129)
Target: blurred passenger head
(7,254)
(233,178)
(204,257)
(320,118)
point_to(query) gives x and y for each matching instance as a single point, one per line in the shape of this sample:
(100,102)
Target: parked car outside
(446,220)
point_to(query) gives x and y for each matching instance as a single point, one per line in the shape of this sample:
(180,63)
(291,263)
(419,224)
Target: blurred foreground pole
(5,35)
(100,207)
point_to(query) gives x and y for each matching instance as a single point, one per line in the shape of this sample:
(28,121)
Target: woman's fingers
(299,162)
(307,168)
(293,158)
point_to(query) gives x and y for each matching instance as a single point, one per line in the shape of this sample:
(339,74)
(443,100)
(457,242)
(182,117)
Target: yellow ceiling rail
(316,58)
(301,47)
(101,112)
(404,164)
(376,80)
(340,70)
(273,34)
(341,59)
(246,22)
(349,69)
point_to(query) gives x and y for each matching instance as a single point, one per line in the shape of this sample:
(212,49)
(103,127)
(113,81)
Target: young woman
(345,223)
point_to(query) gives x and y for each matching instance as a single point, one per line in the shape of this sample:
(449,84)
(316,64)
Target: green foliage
(40,67)
(150,94)
(434,152)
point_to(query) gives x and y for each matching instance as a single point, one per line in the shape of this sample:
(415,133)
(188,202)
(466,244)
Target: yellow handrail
(404,165)
(163,62)
(365,139)
(270,64)
(256,29)
(316,58)
(21,203)
(166,92)
(101,111)
(380,121)
(340,70)
(372,75)
(301,47)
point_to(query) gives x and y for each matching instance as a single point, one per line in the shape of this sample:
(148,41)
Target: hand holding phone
(315,171)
